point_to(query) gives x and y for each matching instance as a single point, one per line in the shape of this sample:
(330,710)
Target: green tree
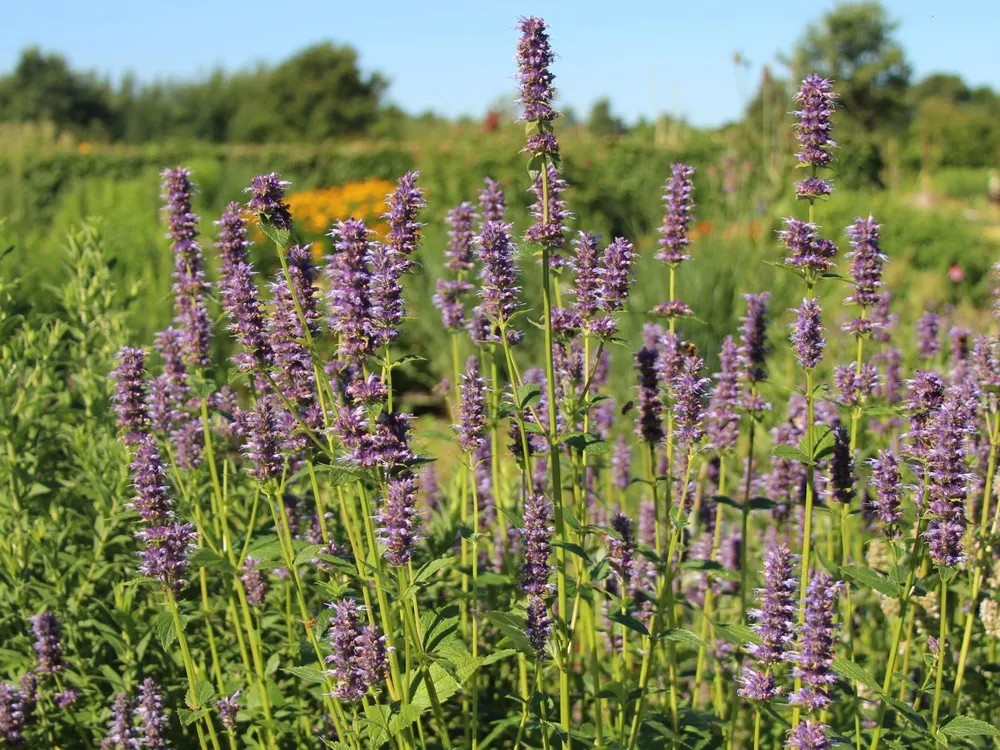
(854,45)
(602,122)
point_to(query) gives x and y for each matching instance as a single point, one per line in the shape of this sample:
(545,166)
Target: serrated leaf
(272,664)
(307,674)
(512,628)
(202,694)
(166,634)
(681,635)
(444,685)
(736,635)
(871,579)
(527,395)
(789,452)
(188,717)
(584,441)
(626,620)
(967,726)
(404,717)
(439,627)
(857,673)
(576,549)
(279,237)
(307,554)
(424,574)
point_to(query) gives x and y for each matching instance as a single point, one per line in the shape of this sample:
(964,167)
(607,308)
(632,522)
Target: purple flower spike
(370,652)
(679,201)
(586,263)
(949,477)
(807,334)
(753,348)
(689,402)
(169,392)
(404,205)
(130,394)
(809,735)
(723,417)
(370,391)
(149,480)
(253,582)
(842,467)
(267,200)
(65,699)
(165,558)
(621,548)
(346,672)
(239,292)
(536,542)
(398,519)
(928,335)
(549,228)
(459,253)
(855,387)
(866,262)
(538,625)
(817,101)
(808,252)
(153,722)
(534,56)
(774,620)
(492,201)
(13,713)
(448,298)
(621,464)
(888,484)
(472,409)
(228,708)
(263,441)
(121,734)
(814,658)
(499,274)
(649,422)
(348,296)
(986,363)
(385,294)
(617,274)
(47,642)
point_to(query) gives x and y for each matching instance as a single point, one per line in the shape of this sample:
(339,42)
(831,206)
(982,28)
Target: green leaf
(737,635)
(762,503)
(404,717)
(527,395)
(444,685)
(629,622)
(279,237)
(307,553)
(190,717)
(406,359)
(822,448)
(439,627)
(512,628)
(203,557)
(576,549)
(680,635)
(790,452)
(266,549)
(857,673)
(584,441)
(871,579)
(966,726)
(424,574)
(307,674)
(272,664)
(163,626)
(202,694)
(724,500)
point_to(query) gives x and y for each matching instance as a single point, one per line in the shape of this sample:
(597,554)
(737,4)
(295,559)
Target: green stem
(942,648)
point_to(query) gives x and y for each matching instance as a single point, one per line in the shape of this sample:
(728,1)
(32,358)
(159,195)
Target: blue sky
(456,57)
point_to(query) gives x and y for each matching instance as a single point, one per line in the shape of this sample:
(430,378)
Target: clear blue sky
(456,57)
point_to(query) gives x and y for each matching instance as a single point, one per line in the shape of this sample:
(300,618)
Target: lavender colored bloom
(239,292)
(855,387)
(253,582)
(149,480)
(925,396)
(817,101)
(927,330)
(228,708)
(349,282)
(587,265)
(866,262)
(986,364)
(807,251)
(753,348)
(66,699)
(617,274)
(882,319)
(404,205)
(669,360)
(169,391)
(649,422)
(842,467)
(814,658)
(12,716)
(47,642)
(343,635)
(370,652)
(677,196)
(723,417)
(262,441)
(621,548)
(492,201)
(398,519)
(459,256)
(188,441)
(153,722)
(549,228)
(534,56)
(891,387)
(130,394)
(385,293)
(121,734)
(949,478)
(448,298)
(368,391)
(689,402)
(267,200)
(888,482)
(472,408)
(29,691)
(774,621)
(807,334)
(165,558)
(536,542)
(499,274)
(812,188)
(809,735)
(538,625)
(621,463)
(294,372)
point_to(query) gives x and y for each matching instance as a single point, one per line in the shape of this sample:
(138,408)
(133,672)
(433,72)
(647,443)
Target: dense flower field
(690,559)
